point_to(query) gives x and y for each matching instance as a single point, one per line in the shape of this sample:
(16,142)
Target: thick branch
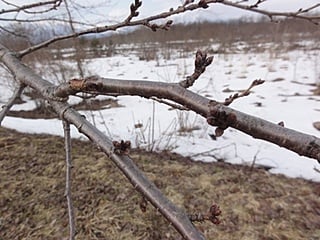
(216,113)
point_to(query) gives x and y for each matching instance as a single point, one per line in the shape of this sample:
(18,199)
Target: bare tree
(216,113)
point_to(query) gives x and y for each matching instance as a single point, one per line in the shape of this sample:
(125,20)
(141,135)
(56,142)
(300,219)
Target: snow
(151,125)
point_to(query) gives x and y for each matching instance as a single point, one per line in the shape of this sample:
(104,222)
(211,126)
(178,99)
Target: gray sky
(106,10)
(216,11)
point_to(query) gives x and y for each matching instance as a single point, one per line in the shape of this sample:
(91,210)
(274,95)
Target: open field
(255,204)
(289,95)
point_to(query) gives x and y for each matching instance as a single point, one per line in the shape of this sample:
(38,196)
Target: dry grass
(254,204)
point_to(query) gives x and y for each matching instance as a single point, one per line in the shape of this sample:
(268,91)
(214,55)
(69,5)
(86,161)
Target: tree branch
(77,47)
(181,9)
(243,93)
(215,112)
(15,95)
(299,14)
(68,193)
(143,22)
(172,105)
(200,64)
(175,215)
(24,8)
(134,10)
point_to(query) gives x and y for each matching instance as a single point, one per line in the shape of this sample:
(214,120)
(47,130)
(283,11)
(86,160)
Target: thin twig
(244,93)
(200,64)
(44,20)
(134,10)
(258,2)
(190,7)
(208,152)
(67,142)
(254,160)
(299,14)
(15,95)
(77,48)
(24,8)
(172,105)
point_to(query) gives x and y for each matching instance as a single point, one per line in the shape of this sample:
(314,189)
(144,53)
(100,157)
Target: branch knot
(220,118)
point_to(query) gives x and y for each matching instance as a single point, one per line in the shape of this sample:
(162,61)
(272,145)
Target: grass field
(255,204)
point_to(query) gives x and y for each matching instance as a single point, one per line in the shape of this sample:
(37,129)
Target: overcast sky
(117,10)
(216,11)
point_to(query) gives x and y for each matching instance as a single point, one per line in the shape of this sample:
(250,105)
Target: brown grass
(255,204)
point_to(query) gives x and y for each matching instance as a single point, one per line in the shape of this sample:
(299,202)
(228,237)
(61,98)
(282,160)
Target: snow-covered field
(285,96)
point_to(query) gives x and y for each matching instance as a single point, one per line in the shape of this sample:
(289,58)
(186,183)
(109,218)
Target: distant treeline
(240,30)
(258,31)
